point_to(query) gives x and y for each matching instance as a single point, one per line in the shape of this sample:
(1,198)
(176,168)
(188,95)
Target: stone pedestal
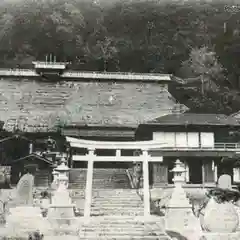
(219,217)
(24,220)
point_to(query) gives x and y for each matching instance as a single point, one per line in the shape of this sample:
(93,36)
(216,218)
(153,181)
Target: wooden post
(118,153)
(203,174)
(30,148)
(88,190)
(187,171)
(215,172)
(146,194)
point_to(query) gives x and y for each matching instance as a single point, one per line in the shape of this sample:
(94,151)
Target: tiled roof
(36,156)
(195,119)
(236,115)
(38,105)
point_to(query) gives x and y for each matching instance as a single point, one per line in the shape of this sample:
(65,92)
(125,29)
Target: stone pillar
(146,193)
(88,190)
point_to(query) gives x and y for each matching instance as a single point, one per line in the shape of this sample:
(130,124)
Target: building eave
(33,155)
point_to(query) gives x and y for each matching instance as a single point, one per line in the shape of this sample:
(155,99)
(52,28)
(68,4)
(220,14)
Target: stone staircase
(42,179)
(110,178)
(122,228)
(116,202)
(103,178)
(77,178)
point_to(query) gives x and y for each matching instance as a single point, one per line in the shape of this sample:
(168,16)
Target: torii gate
(145,158)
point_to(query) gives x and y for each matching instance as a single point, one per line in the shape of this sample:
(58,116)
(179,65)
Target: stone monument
(220,219)
(24,218)
(24,190)
(179,215)
(225,181)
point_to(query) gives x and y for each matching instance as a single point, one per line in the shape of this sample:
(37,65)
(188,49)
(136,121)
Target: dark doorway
(195,170)
(225,167)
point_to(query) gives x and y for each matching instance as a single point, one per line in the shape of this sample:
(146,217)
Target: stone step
(117,198)
(130,201)
(124,214)
(113,212)
(113,230)
(126,235)
(108,209)
(119,207)
(120,214)
(149,227)
(114,193)
(125,238)
(114,233)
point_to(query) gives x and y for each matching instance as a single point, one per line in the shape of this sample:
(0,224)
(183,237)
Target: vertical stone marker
(24,191)
(179,215)
(225,181)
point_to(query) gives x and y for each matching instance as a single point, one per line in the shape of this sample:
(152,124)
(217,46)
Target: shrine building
(118,126)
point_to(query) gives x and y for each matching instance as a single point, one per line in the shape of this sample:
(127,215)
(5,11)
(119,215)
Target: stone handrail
(130,178)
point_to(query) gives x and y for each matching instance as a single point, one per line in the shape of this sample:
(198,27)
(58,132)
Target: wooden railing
(227,145)
(217,146)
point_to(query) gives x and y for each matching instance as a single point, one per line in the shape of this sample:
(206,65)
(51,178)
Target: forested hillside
(196,41)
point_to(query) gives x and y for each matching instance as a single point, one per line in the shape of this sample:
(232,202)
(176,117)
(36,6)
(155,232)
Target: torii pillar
(88,190)
(146,193)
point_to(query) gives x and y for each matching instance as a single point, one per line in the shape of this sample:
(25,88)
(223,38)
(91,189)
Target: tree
(203,63)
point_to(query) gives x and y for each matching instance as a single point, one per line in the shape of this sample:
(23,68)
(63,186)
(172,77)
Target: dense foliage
(194,40)
(223,195)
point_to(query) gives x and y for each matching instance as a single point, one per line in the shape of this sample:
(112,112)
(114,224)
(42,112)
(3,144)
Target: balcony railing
(227,145)
(217,146)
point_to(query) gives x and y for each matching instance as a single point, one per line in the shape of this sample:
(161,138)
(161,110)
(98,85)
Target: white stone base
(24,220)
(220,236)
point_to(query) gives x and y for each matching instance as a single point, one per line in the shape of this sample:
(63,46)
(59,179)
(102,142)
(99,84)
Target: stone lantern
(179,216)
(55,179)
(62,174)
(178,174)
